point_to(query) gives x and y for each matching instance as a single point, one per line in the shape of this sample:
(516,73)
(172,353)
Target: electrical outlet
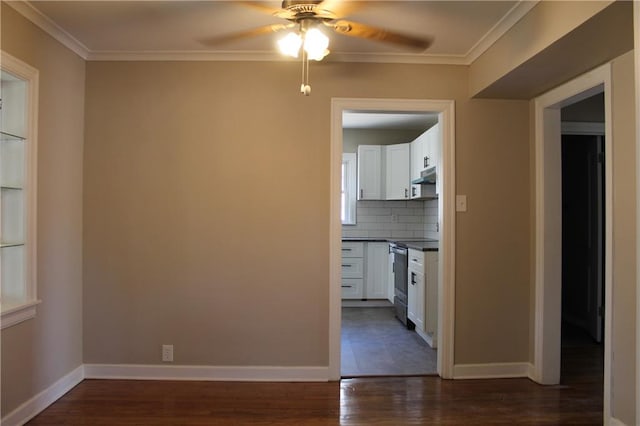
(167,353)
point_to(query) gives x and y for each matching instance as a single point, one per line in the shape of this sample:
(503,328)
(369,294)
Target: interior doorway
(446,215)
(377,338)
(583,242)
(549,226)
(582,233)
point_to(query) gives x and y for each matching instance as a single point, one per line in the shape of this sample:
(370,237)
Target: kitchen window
(348,190)
(18,147)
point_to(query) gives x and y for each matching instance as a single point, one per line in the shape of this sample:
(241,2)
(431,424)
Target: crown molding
(247,56)
(517,12)
(26,9)
(184,55)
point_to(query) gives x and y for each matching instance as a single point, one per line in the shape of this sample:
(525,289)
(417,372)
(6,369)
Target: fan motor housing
(299,9)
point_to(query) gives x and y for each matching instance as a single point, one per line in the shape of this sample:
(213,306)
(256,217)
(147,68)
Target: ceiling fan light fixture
(316,44)
(290,44)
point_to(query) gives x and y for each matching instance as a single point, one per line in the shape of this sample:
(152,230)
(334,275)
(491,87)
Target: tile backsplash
(394,219)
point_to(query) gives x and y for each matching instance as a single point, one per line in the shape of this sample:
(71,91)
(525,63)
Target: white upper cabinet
(425,152)
(418,147)
(370,172)
(434,151)
(418,161)
(398,182)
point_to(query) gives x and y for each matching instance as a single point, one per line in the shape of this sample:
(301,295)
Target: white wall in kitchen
(394,219)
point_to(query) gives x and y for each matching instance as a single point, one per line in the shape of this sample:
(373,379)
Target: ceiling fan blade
(241,35)
(339,8)
(260,6)
(355,29)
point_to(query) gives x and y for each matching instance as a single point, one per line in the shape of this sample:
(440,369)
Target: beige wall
(38,352)
(554,42)
(206,211)
(492,237)
(624,239)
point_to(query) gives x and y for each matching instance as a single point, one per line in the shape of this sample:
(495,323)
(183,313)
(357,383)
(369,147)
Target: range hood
(427,177)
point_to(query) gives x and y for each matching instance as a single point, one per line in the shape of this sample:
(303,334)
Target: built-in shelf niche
(18,93)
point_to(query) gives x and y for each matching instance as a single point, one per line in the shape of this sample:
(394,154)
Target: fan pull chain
(305,88)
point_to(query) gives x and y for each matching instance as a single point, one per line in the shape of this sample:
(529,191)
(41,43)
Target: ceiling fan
(306,20)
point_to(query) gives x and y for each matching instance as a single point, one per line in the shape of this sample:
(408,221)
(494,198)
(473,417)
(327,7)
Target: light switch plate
(461,203)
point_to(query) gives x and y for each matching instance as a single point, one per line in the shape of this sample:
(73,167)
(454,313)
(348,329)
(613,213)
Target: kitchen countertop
(421,244)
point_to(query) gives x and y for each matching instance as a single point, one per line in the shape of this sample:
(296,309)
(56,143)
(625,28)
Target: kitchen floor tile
(375,343)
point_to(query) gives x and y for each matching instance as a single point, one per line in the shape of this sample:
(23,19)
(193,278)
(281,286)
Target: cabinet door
(377,271)
(352,288)
(416,158)
(431,294)
(370,172)
(398,171)
(412,300)
(352,267)
(434,148)
(417,147)
(391,288)
(416,298)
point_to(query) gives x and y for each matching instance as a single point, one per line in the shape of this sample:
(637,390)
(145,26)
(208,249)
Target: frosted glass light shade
(315,44)
(290,44)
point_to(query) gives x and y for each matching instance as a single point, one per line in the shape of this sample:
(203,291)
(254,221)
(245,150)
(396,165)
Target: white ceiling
(120,30)
(388,120)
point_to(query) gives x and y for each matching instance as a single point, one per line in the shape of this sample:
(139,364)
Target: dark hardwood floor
(367,401)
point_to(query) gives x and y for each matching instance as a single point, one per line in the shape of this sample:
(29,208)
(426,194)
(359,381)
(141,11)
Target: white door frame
(548,225)
(446,290)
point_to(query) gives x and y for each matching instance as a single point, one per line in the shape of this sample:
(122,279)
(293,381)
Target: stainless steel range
(400,265)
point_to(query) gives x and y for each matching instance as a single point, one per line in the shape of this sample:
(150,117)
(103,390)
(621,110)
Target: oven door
(400,264)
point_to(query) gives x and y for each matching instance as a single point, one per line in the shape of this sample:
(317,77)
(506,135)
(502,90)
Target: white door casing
(446,214)
(548,226)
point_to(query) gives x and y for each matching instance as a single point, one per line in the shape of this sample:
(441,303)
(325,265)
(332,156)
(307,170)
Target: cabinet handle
(426,162)
(413,191)
(361,194)
(346,249)
(413,278)
(346,286)
(406,193)
(346,266)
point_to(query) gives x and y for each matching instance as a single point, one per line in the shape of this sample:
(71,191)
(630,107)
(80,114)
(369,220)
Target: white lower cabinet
(422,294)
(365,272)
(352,288)
(415,298)
(391,287)
(352,270)
(353,267)
(376,277)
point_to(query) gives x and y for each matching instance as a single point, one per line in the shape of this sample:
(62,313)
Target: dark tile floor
(375,343)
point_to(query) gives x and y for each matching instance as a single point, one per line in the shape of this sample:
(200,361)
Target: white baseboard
(428,337)
(194,372)
(492,371)
(614,422)
(35,405)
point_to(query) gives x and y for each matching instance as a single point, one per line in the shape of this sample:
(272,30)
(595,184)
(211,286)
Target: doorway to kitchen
(381,320)
(550,354)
